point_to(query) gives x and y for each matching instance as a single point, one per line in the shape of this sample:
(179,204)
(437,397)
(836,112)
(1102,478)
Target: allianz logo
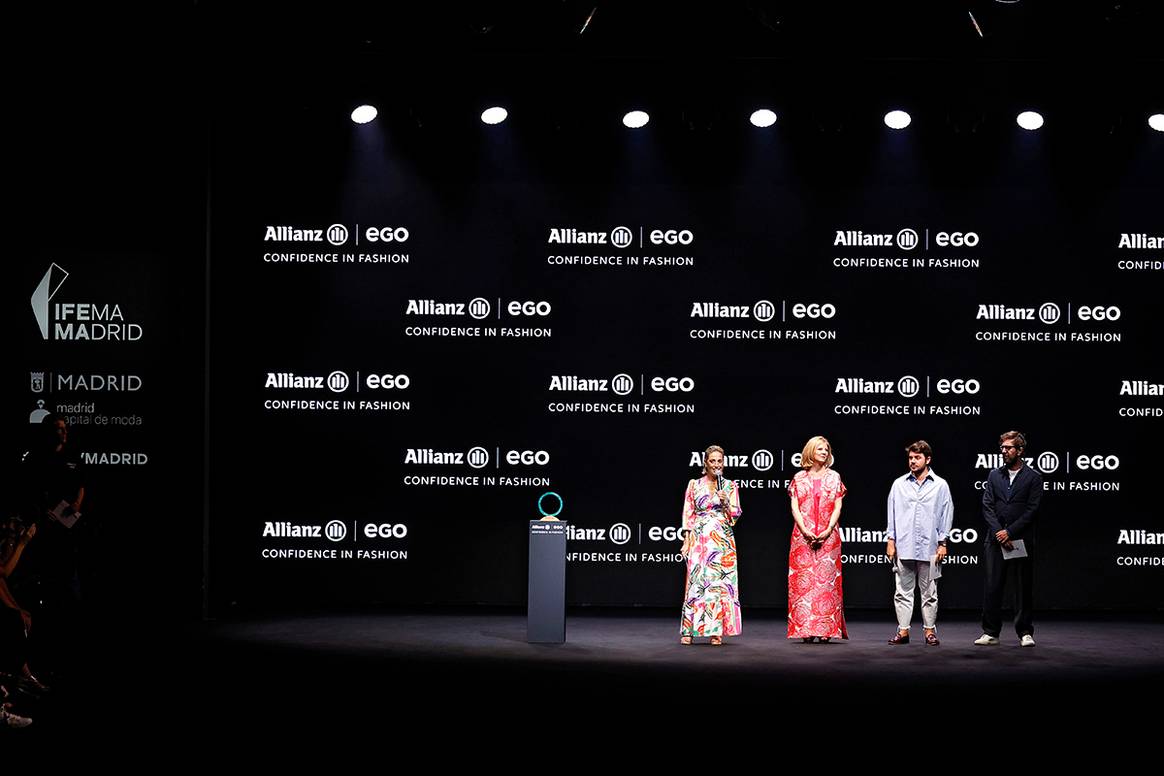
(762,460)
(855,238)
(478,308)
(1141,388)
(1048,313)
(907,386)
(856,535)
(336,382)
(620,384)
(335,530)
(336,234)
(477,457)
(619,533)
(430,457)
(1049,462)
(905,239)
(1139,536)
(1141,241)
(763,310)
(619,236)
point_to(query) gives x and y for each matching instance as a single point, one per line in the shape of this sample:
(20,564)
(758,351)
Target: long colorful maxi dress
(816,604)
(711,603)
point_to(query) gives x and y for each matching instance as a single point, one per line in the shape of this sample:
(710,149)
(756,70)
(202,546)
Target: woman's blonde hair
(808,454)
(709,451)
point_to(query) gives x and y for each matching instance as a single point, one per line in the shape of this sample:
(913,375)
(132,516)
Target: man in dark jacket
(1009,503)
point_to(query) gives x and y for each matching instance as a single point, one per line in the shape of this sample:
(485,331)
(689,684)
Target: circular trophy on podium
(541,506)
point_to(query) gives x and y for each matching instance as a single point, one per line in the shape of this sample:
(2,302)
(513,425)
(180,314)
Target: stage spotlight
(636,119)
(363,114)
(1029,120)
(897,119)
(1156,122)
(763,118)
(494,115)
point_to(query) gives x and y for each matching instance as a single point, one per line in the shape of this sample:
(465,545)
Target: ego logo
(672,384)
(1049,313)
(908,386)
(1048,463)
(957,239)
(958,386)
(388,382)
(479,308)
(762,460)
(1097,462)
(336,530)
(620,533)
(621,236)
(386,234)
(622,384)
(813,310)
(385,530)
(478,457)
(671,237)
(764,310)
(670,533)
(959,535)
(529,308)
(527,457)
(337,234)
(1099,313)
(338,381)
(907,239)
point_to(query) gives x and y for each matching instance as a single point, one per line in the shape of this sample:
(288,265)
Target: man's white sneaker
(8,719)
(986,640)
(1027,640)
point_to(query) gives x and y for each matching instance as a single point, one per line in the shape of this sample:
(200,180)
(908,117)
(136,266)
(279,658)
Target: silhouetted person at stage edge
(15,620)
(55,493)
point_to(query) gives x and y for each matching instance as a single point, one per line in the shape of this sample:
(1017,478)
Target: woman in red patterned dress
(816,609)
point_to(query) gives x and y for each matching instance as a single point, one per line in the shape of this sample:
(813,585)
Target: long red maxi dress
(815,598)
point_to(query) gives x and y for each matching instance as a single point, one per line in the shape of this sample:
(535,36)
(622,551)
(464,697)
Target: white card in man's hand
(1019,551)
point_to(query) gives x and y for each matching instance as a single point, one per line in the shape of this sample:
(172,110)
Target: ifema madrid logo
(78,321)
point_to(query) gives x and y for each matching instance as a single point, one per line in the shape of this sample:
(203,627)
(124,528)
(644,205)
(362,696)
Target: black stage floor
(407,669)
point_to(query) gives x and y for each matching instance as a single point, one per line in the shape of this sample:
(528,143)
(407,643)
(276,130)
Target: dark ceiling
(905,29)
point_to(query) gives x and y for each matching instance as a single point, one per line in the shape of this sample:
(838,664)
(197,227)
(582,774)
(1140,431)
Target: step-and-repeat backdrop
(413,340)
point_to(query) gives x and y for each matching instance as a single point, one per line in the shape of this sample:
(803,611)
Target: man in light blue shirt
(921,514)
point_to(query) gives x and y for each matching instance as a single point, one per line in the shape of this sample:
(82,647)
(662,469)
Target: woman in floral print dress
(711,601)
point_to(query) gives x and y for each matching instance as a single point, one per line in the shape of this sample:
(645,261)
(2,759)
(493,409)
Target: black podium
(546,616)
